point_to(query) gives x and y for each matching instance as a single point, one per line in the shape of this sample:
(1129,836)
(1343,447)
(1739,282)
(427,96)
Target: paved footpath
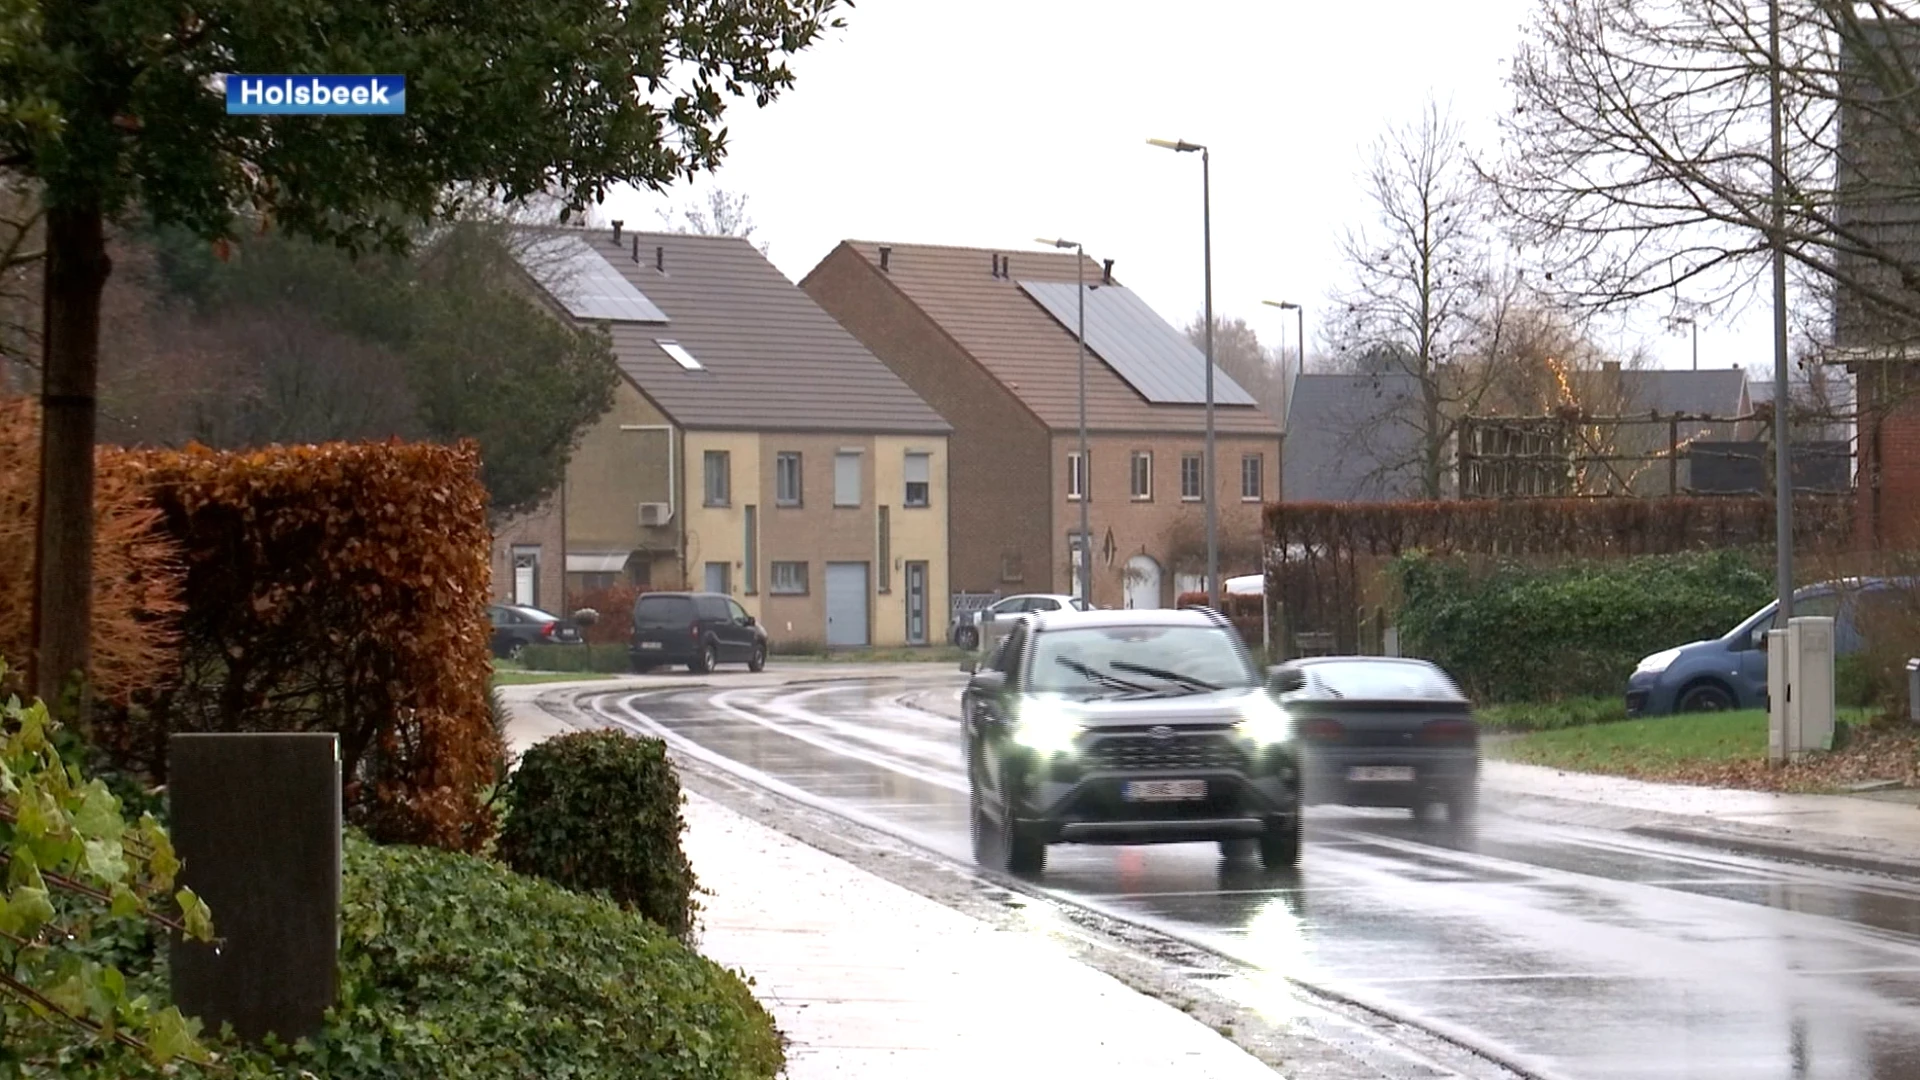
(870,981)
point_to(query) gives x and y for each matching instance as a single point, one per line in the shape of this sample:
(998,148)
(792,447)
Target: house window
(752,561)
(1142,486)
(1076,477)
(719,578)
(919,474)
(1192,470)
(595,582)
(1251,487)
(679,353)
(846,478)
(789,578)
(886,551)
(719,481)
(786,479)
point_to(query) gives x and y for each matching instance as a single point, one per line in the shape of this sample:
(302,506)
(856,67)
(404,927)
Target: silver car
(967,628)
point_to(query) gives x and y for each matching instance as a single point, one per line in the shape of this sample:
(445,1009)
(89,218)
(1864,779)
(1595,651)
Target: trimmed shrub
(1552,715)
(1576,630)
(599,812)
(615,605)
(589,658)
(1245,612)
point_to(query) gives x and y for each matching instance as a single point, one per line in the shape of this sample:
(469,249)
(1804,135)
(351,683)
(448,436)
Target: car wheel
(977,823)
(1705,697)
(704,661)
(1280,847)
(642,669)
(1021,852)
(516,649)
(967,638)
(1463,807)
(758,661)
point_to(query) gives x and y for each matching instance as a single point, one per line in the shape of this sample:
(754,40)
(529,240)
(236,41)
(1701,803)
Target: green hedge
(599,811)
(1552,715)
(601,659)
(1576,630)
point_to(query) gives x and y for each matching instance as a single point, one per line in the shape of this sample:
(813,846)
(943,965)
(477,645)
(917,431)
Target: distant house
(990,339)
(1353,438)
(754,448)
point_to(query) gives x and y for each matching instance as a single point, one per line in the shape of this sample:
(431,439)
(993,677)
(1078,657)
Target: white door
(526,578)
(846,604)
(1143,582)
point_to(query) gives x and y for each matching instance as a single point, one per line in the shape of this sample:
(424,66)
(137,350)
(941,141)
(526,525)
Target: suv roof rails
(1213,613)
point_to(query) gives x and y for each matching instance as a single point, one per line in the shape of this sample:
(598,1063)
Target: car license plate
(1387,773)
(649,644)
(1165,790)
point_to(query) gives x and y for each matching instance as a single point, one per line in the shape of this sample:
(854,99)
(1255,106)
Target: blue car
(1730,672)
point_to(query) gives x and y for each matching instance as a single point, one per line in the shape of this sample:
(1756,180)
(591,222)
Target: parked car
(516,626)
(701,630)
(1382,731)
(1730,671)
(965,631)
(1126,727)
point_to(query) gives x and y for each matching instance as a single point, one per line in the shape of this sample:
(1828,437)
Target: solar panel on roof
(1138,345)
(584,283)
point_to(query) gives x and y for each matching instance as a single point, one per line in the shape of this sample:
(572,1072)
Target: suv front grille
(1212,750)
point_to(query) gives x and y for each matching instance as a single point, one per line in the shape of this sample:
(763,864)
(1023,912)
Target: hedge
(599,811)
(1577,630)
(592,658)
(1245,612)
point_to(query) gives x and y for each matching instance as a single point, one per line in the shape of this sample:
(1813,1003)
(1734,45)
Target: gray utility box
(1800,688)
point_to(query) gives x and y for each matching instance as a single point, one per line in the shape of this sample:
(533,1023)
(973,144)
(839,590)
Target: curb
(1780,850)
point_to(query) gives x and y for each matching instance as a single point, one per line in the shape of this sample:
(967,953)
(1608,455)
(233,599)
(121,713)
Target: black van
(698,629)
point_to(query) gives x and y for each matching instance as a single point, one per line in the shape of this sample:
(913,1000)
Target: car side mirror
(969,665)
(989,681)
(1284,680)
(1758,639)
(746,620)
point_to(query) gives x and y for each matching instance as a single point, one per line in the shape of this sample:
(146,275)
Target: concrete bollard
(257,823)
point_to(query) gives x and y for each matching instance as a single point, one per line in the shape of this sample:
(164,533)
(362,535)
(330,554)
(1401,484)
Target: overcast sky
(992,122)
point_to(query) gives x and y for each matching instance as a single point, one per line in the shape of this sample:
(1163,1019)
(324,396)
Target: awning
(1250,585)
(597,562)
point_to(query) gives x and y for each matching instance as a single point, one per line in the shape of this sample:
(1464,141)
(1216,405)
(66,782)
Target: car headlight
(1047,728)
(1657,663)
(1264,721)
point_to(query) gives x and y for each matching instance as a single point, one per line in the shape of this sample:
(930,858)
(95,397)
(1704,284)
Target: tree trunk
(76,275)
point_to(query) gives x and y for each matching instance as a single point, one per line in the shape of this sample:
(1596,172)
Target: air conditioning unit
(655,514)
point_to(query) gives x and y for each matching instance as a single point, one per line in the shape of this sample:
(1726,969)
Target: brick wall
(1888,503)
(541,529)
(1000,471)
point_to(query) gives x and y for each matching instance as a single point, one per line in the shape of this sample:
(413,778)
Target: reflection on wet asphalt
(1588,954)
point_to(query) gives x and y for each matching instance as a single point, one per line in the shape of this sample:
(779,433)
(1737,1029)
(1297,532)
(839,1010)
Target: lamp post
(1782,459)
(1209,491)
(1086,466)
(1300,341)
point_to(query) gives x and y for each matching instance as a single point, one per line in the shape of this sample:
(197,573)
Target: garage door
(846,603)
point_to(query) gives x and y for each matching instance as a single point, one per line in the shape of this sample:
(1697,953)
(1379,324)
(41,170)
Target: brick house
(754,448)
(989,339)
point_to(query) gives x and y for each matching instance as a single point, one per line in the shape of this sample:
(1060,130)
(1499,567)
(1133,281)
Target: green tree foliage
(444,344)
(111,106)
(1523,633)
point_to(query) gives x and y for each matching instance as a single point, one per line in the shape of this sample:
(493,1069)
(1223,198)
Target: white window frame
(925,483)
(780,462)
(1077,476)
(778,586)
(1259,477)
(724,473)
(1198,493)
(679,354)
(859,478)
(1140,492)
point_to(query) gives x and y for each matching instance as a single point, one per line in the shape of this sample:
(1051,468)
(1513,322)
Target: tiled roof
(1025,348)
(1350,439)
(771,358)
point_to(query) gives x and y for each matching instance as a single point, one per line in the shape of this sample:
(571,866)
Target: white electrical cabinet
(1780,740)
(1810,680)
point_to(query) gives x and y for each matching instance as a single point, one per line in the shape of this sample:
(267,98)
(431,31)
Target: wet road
(1572,953)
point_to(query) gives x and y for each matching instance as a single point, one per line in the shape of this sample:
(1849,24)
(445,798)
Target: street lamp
(1688,320)
(1086,466)
(1206,226)
(1300,329)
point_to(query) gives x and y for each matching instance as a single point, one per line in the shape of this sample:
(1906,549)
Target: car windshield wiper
(1111,681)
(1188,681)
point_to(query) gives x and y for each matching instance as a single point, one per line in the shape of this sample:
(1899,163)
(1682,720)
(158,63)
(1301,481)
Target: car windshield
(663,611)
(1379,680)
(1109,660)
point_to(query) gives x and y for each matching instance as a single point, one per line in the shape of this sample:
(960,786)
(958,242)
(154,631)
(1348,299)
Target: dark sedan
(1380,731)
(516,626)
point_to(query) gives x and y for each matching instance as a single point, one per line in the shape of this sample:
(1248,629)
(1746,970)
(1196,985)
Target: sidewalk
(868,979)
(1840,829)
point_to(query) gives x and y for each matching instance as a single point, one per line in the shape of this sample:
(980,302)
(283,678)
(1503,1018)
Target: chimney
(616,229)
(636,249)
(996,265)
(1611,367)
(884,253)
(660,258)
(1106,272)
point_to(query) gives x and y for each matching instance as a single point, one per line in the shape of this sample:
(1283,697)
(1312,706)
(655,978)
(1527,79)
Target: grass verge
(503,676)
(1551,715)
(1721,750)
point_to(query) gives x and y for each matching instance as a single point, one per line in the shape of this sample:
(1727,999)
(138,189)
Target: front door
(846,604)
(1143,582)
(526,577)
(916,603)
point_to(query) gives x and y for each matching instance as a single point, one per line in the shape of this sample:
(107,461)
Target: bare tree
(22,247)
(1424,299)
(1237,352)
(1638,153)
(725,214)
